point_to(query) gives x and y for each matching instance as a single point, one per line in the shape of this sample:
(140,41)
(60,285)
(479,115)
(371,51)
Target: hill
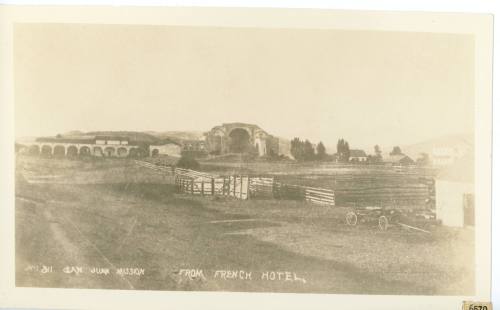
(178,135)
(462,142)
(134,136)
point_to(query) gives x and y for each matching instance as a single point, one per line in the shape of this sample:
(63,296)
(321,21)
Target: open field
(114,214)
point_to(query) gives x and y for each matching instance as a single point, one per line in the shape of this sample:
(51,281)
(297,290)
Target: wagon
(387,217)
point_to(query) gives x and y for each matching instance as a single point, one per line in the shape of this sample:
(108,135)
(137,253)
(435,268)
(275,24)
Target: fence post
(274,189)
(241,187)
(249,189)
(234,185)
(202,188)
(213,186)
(192,186)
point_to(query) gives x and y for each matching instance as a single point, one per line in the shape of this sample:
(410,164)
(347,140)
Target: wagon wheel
(383,222)
(351,218)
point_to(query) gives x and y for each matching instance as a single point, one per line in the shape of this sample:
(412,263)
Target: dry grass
(133,215)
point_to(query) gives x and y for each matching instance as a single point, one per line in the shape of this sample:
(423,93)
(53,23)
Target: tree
(308,150)
(396,151)
(188,162)
(343,152)
(297,149)
(347,151)
(378,154)
(423,160)
(321,151)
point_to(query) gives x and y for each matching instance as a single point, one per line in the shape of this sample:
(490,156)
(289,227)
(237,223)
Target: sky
(369,87)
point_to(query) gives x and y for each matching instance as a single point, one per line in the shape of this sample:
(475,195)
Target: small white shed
(455,193)
(167,148)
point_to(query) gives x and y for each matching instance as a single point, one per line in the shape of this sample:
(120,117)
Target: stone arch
(142,152)
(98,151)
(259,134)
(46,150)
(21,149)
(219,132)
(134,153)
(137,152)
(248,130)
(34,150)
(155,152)
(109,151)
(239,140)
(59,151)
(84,151)
(72,151)
(122,152)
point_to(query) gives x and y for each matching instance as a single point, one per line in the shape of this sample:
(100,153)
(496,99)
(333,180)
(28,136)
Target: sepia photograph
(240,158)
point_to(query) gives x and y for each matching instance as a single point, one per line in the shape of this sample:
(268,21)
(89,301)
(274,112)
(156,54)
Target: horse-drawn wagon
(385,217)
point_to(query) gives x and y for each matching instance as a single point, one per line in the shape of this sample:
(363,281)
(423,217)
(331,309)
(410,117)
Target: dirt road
(142,235)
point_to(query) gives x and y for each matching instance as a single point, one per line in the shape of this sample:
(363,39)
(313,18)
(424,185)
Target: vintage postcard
(158,151)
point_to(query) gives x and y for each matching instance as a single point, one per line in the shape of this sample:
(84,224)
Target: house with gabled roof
(357,156)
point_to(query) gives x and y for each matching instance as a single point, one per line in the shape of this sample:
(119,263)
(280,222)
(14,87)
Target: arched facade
(46,150)
(72,151)
(84,151)
(59,151)
(77,150)
(122,152)
(241,138)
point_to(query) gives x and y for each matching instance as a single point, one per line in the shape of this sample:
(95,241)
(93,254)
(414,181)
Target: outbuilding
(455,193)
(399,160)
(165,147)
(357,156)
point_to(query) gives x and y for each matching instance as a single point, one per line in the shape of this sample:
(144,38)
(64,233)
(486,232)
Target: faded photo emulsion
(244,159)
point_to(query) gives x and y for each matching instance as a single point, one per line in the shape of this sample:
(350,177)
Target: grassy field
(114,214)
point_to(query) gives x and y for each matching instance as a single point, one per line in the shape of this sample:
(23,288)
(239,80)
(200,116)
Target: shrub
(188,162)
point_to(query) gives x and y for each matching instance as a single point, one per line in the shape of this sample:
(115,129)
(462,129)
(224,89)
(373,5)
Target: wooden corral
(241,186)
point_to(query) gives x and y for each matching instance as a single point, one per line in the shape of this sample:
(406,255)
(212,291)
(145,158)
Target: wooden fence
(402,192)
(315,195)
(320,196)
(240,186)
(233,186)
(261,187)
(169,170)
(188,173)
(387,189)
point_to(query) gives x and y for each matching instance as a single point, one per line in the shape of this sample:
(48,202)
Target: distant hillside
(22,140)
(462,142)
(134,136)
(178,135)
(74,133)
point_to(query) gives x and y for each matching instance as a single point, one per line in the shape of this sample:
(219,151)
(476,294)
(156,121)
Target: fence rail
(161,169)
(362,190)
(193,174)
(320,196)
(240,186)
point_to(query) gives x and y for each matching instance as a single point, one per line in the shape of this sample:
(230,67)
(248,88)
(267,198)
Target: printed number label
(477,306)
(474,307)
